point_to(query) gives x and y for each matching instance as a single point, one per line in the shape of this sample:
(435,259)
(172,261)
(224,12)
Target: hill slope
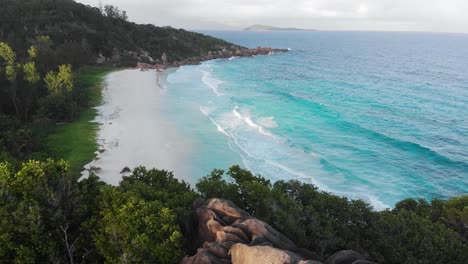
(87,29)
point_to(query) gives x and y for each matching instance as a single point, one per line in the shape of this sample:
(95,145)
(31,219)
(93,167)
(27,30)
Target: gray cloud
(399,15)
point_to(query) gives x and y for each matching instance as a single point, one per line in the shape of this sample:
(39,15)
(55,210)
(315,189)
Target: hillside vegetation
(79,30)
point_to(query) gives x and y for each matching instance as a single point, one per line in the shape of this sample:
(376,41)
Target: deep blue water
(377,116)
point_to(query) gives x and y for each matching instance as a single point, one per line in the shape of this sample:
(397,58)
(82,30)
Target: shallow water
(378,116)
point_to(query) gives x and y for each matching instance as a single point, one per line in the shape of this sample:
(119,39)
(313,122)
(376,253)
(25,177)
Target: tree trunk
(13,98)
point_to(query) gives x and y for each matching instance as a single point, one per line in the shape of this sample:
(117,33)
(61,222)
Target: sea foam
(211,82)
(249,122)
(206,112)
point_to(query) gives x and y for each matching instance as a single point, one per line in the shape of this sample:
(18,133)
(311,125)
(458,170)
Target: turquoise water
(377,116)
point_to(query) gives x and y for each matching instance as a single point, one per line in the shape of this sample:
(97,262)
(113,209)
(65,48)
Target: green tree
(60,83)
(11,72)
(132,230)
(406,237)
(455,215)
(20,233)
(44,196)
(30,88)
(114,12)
(59,104)
(23,94)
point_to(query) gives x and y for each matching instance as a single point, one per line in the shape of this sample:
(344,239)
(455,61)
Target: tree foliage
(132,230)
(42,196)
(114,12)
(30,73)
(47,215)
(7,54)
(414,232)
(60,83)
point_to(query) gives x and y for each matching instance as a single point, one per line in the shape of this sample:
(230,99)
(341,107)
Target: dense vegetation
(47,215)
(81,32)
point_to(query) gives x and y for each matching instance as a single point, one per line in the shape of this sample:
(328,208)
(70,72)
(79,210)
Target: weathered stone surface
(223,53)
(210,253)
(344,257)
(243,254)
(309,262)
(227,210)
(260,232)
(220,224)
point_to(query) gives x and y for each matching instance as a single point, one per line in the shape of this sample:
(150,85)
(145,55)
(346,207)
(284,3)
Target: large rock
(243,254)
(260,232)
(210,254)
(220,224)
(344,257)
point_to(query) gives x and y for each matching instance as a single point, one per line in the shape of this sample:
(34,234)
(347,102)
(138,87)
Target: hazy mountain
(272,28)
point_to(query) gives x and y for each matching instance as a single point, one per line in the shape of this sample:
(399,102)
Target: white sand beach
(133,132)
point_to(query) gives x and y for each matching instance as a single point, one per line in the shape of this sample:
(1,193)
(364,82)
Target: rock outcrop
(223,233)
(241,253)
(345,257)
(225,53)
(211,55)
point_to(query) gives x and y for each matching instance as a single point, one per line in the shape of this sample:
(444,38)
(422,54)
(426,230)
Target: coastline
(211,55)
(132,132)
(162,134)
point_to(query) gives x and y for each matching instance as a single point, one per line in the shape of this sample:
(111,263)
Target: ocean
(369,115)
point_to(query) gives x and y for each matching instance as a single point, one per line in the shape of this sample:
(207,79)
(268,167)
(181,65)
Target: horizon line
(331,30)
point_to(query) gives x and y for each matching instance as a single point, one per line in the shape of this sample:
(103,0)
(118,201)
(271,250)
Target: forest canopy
(48,215)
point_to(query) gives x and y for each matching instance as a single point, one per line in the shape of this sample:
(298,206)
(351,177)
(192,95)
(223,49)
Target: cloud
(401,15)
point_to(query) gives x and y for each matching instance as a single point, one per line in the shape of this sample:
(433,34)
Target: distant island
(272,28)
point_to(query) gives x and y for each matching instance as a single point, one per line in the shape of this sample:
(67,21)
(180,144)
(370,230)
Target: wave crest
(211,82)
(249,122)
(206,112)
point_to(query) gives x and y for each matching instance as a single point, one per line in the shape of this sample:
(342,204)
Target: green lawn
(76,141)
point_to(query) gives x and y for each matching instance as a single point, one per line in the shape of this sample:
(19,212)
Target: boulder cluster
(227,53)
(211,55)
(223,233)
(242,52)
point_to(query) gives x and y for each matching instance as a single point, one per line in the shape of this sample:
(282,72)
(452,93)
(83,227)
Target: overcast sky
(395,15)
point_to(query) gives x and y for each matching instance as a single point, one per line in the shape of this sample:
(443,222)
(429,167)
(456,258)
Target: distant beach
(132,131)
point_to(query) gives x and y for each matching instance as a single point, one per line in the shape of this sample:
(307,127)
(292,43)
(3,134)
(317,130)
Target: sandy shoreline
(132,131)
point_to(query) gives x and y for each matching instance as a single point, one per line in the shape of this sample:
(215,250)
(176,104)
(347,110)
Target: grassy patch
(76,141)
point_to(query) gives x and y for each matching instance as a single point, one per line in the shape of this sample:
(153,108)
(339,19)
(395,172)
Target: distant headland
(272,28)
